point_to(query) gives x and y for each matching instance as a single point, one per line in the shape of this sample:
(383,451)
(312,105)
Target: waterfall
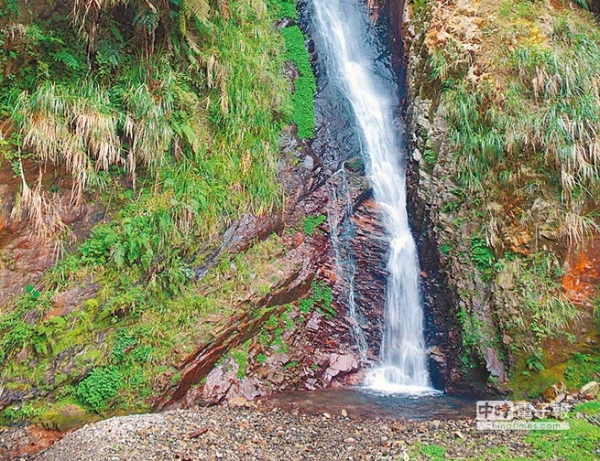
(354,62)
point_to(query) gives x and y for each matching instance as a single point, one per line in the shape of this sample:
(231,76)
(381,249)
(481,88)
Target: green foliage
(241,358)
(99,387)
(446,248)
(45,334)
(283,8)
(534,362)
(474,338)
(430,157)
(123,344)
(420,7)
(532,124)
(25,412)
(428,452)
(546,311)
(482,257)
(176,126)
(303,114)
(305,305)
(17,333)
(579,443)
(471,326)
(287,320)
(583,4)
(320,299)
(582,369)
(310,223)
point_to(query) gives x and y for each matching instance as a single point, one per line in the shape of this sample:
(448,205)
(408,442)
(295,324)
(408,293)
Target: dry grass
(35,207)
(522,89)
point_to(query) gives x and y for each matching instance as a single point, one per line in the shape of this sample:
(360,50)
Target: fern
(69,60)
(196,9)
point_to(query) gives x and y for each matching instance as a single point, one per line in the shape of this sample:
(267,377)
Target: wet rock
(219,381)
(343,363)
(314,322)
(356,165)
(493,363)
(246,389)
(436,354)
(308,163)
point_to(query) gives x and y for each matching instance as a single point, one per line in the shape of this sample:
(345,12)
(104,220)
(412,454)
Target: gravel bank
(221,433)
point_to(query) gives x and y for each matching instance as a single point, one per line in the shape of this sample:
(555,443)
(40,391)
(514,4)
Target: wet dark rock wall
(441,302)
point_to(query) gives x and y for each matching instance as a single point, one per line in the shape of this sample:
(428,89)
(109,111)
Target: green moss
(530,382)
(430,452)
(65,418)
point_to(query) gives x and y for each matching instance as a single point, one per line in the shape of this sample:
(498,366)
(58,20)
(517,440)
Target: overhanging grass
(201,137)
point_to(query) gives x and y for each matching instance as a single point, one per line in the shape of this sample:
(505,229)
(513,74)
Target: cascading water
(342,34)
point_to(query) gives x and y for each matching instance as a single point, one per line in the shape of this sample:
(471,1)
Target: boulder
(592,388)
(555,393)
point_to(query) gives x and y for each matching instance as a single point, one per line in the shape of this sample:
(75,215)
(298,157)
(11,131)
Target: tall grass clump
(535,109)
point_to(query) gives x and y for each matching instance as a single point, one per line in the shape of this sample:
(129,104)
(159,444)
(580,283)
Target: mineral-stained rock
(219,381)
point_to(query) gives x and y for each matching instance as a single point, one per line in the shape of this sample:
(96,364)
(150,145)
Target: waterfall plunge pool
(361,403)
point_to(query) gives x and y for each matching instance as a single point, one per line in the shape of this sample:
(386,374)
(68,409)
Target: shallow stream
(367,404)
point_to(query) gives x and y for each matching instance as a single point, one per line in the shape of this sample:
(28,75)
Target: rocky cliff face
(493,258)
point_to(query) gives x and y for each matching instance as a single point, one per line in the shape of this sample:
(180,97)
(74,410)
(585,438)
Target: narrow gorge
(212,202)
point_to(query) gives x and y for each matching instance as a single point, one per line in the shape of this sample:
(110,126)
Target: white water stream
(351,58)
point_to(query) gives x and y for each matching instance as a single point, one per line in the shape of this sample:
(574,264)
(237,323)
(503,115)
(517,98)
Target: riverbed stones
(233,434)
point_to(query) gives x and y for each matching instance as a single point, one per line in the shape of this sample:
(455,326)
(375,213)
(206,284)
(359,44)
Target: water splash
(352,58)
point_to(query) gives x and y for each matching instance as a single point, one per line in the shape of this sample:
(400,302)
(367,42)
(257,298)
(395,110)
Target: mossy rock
(66,418)
(356,165)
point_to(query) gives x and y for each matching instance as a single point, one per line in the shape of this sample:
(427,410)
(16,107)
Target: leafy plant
(99,387)
(320,299)
(175,134)
(534,362)
(123,344)
(310,223)
(482,257)
(241,358)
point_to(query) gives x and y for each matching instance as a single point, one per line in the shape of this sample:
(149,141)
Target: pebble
(241,433)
